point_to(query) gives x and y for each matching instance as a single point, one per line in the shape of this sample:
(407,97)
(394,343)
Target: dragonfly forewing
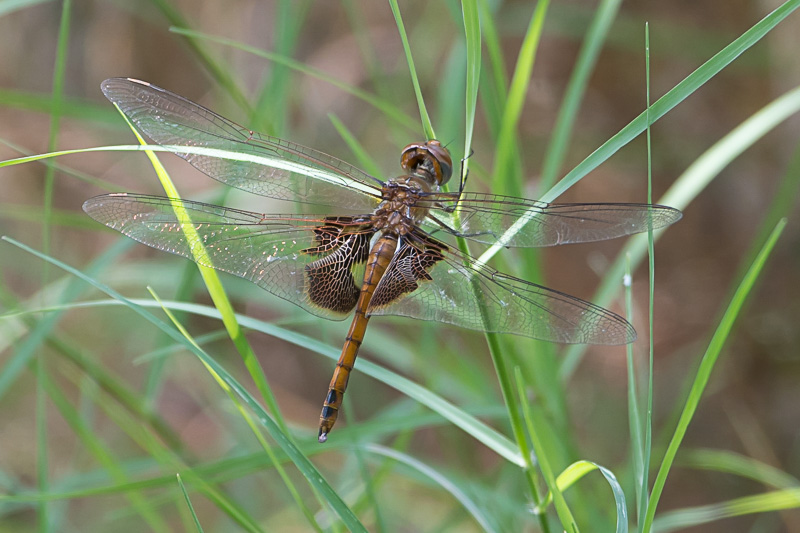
(239,157)
(517,222)
(312,262)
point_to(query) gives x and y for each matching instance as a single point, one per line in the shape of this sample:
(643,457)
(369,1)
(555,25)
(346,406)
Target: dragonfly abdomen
(379,258)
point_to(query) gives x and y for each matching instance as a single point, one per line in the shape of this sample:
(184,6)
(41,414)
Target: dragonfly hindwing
(411,264)
(329,280)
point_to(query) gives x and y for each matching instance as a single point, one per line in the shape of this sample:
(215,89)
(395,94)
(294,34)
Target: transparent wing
(310,262)
(429,281)
(274,168)
(488,218)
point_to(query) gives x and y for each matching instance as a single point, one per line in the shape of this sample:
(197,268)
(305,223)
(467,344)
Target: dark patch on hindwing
(410,265)
(341,245)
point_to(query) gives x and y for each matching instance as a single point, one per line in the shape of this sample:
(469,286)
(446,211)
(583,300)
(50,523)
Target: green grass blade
(248,420)
(647,449)
(705,514)
(216,290)
(733,463)
(69,171)
(576,471)
(441,480)
(308,470)
(524,67)
(504,177)
(427,127)
(686,188)
(704,372)
(42,459)
(222,76)
(534,430)
(472,36)
(384,106)
(675,96)
(93,444)
(498,80)
(485,434)
(189,503)
(663,105)
(576,87)
(634,412)
(494,81)
(60,153)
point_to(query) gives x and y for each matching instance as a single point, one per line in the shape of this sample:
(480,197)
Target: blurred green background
(750,407)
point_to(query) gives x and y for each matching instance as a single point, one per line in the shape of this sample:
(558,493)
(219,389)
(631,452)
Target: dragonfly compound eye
(430,156)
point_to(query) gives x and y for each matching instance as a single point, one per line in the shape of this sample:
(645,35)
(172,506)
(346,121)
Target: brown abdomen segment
(379,258)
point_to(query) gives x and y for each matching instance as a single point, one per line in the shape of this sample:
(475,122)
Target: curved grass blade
(577,470)
(470,506)
(69,171)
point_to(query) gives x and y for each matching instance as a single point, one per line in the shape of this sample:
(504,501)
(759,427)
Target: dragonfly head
(429,159)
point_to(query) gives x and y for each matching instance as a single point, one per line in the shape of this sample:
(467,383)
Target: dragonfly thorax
(399,211)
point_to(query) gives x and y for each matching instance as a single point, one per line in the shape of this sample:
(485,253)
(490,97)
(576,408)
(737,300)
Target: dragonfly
(381,251)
